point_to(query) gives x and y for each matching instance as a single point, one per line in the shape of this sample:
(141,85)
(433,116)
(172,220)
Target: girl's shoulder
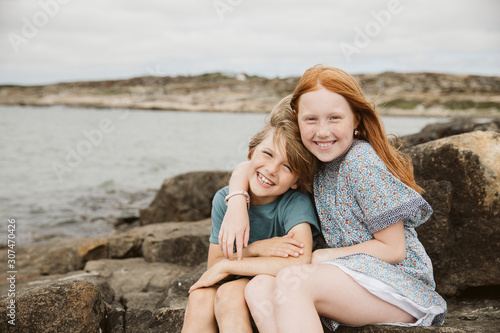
(362,153)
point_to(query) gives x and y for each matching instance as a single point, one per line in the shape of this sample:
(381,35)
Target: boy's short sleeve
(296,208)
(218,211)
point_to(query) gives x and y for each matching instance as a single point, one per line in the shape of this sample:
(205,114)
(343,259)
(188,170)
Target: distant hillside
(393,93)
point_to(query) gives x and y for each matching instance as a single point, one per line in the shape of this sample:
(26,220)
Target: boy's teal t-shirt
(274,219)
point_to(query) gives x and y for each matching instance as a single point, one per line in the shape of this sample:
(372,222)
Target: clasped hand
(283,247)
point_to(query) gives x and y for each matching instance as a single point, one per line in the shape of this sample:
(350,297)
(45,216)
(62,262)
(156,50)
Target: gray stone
(115,320)
(73,306)
(441,130)
(462,176)
(186,197)
(181,243)
(133,275)
(141,300)
(167,320)
(124,245)
(137,320)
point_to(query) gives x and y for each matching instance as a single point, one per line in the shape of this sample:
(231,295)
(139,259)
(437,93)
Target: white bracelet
(243,193)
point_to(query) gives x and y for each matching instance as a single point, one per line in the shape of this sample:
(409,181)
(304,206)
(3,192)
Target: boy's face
(269,175)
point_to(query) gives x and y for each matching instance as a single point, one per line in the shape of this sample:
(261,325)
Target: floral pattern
(356,196)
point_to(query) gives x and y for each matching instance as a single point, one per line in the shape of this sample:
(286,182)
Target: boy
(281,215)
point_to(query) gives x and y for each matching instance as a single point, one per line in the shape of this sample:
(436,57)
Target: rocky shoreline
(398,94)
(137,280)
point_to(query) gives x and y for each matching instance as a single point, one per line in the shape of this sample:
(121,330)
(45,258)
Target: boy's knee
(202,297)
(228,292)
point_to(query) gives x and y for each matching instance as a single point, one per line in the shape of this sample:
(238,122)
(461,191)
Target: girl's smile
(326,123)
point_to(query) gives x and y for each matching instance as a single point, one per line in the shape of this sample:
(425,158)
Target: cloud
(122,38)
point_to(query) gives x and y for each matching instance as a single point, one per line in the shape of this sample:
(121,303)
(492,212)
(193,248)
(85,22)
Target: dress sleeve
(218,211)
(383,199)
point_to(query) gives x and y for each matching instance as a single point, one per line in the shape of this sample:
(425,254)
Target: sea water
(73,171)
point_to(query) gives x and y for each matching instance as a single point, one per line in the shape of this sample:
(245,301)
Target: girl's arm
(258,265)
(388,245)
(236,223)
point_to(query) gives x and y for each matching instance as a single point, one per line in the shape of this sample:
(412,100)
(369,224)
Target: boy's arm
(236,223)
(214,255)
(258,265)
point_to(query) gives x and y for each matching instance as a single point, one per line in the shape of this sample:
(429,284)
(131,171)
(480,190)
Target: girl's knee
(294,278)
(260,284)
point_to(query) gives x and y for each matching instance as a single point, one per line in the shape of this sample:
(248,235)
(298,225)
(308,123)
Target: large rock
(180,243)
(159,321)
(437,131)
(133,275)
(462,177)
(73,306)
(186,197)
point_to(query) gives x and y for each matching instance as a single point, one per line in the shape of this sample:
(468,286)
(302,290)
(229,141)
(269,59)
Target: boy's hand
(235,225)
(283,247)
(213,275)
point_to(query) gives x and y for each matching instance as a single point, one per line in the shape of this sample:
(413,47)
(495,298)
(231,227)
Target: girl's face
(270,174)
(326,124)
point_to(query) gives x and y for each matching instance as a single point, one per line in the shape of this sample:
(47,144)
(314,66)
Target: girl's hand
(277,247)
(213,275)
(323,255)
(235,225)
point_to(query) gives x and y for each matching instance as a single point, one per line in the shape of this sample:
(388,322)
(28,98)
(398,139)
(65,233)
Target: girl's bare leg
(231,310)
(200,315)
(259,294)
(312,290)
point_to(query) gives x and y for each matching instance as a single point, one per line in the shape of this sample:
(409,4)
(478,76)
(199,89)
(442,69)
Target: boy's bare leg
(231,310)
(200,315)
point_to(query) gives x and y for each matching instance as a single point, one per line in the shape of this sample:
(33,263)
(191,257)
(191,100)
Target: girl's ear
(294,186)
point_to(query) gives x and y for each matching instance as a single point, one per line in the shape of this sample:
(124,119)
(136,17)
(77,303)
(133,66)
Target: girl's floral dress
(356,196)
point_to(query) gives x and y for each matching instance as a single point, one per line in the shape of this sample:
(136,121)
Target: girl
(374,269)
(279,173)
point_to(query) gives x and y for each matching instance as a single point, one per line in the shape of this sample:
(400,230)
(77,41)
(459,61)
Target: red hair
(369,128)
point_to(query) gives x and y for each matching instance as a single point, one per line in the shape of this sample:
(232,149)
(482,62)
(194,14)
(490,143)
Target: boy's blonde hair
(285,130)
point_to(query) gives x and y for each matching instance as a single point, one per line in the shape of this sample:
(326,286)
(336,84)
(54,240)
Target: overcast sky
(46,41)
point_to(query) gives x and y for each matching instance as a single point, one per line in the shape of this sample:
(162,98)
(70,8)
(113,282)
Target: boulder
(437,131)
(186,197)
(161,320)
(461,175)
(72,255)
(178,293)
(180,243)
(133,275)
(125,244)
(73,306)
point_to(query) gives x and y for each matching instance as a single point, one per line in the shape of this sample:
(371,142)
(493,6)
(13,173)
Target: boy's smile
(265,182)
(269,174)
